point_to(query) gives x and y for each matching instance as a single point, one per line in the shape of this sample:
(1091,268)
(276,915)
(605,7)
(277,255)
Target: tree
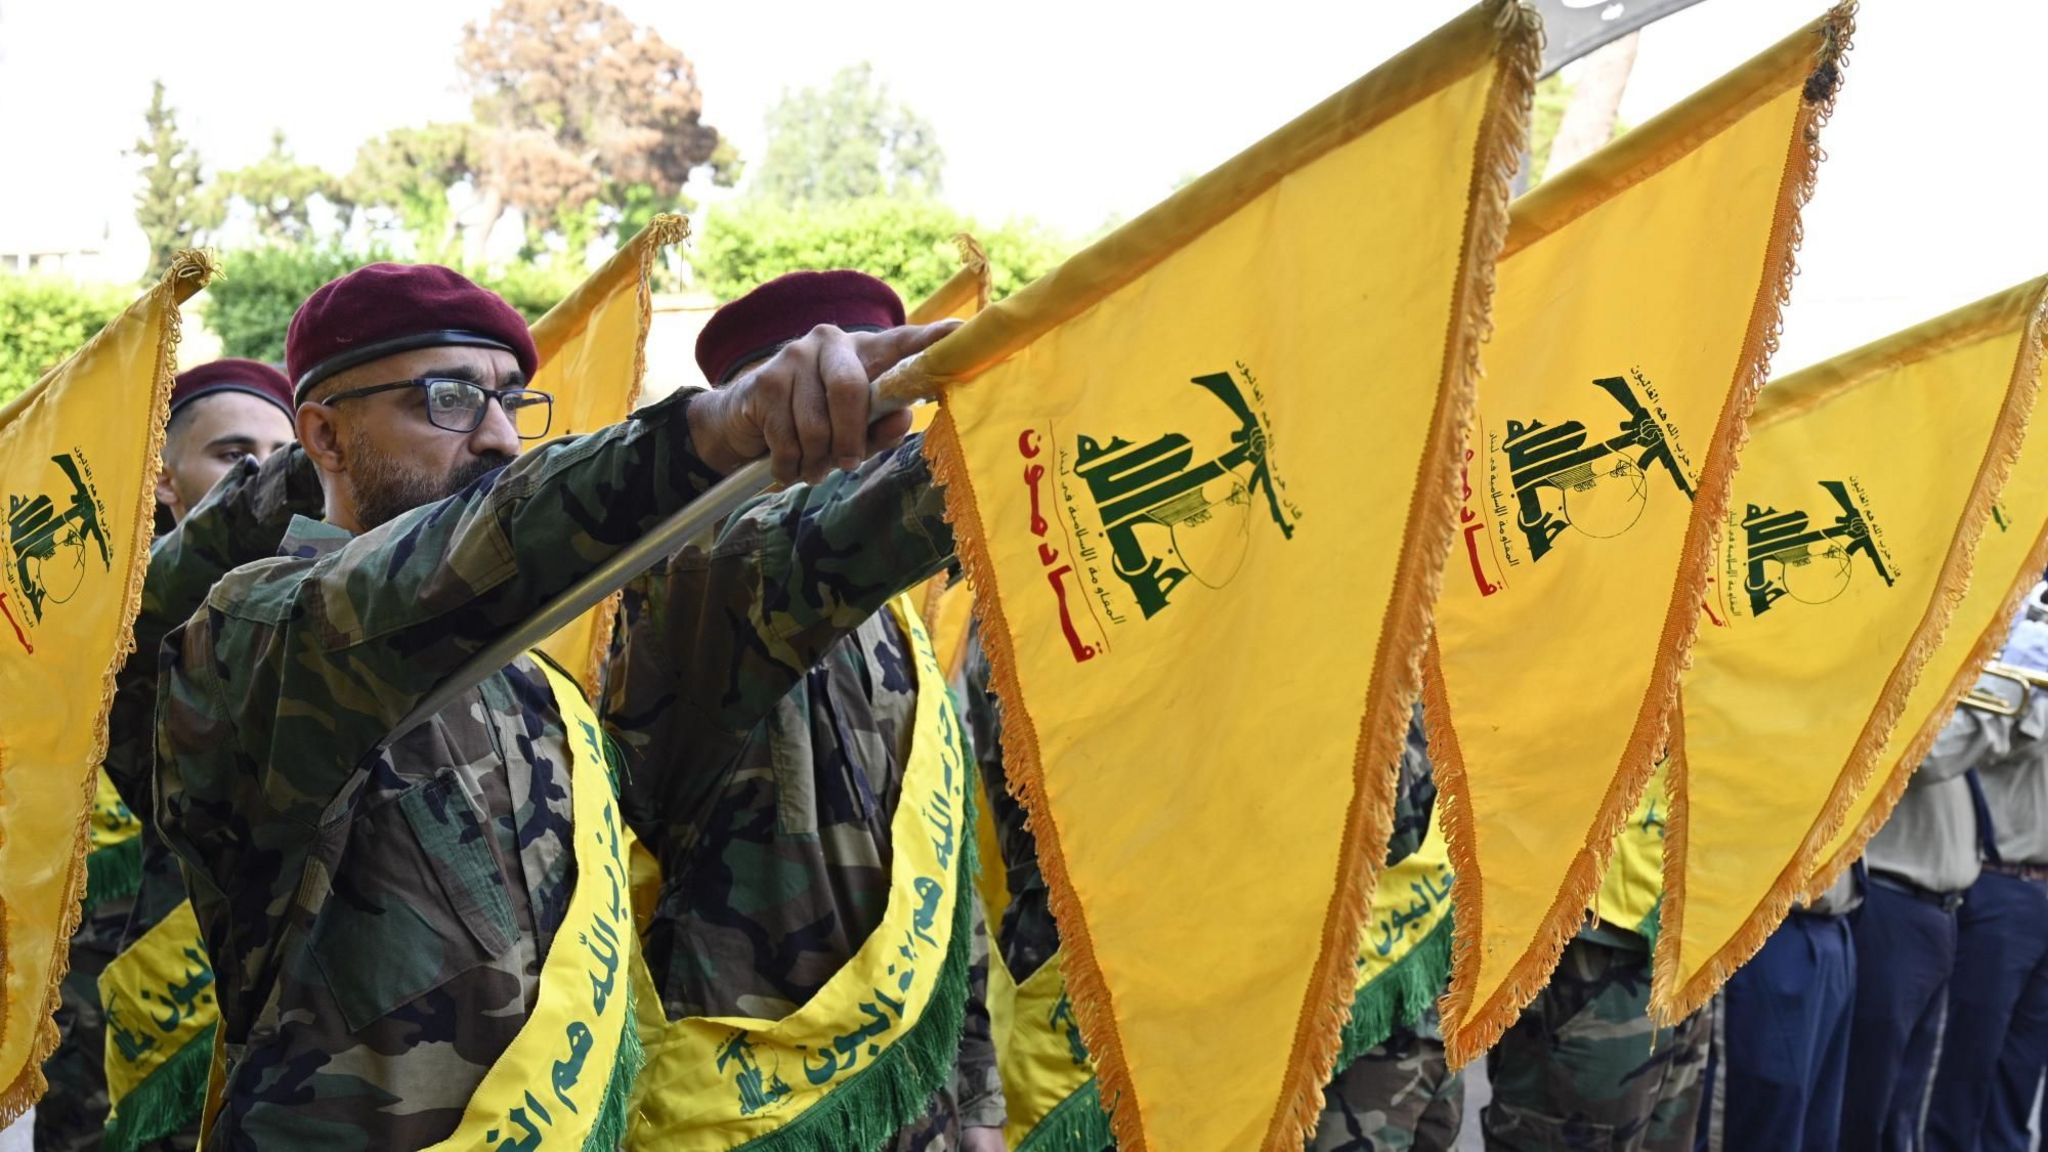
(401,179)
(1555,100)
(580,106)
(171,207)
(1592,117)
(1552,95)
(908,243)
(280,191)
(46,319)
(847,141)
(250,305)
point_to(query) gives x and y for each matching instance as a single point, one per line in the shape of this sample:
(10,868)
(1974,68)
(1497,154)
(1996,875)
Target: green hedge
(43,319)
(250,303)
(907,242)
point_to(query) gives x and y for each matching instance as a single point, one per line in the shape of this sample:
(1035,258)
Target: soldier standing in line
(221,414)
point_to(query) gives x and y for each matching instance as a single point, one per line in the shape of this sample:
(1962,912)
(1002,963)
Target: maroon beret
(233,375)
(784,308)
(381,310)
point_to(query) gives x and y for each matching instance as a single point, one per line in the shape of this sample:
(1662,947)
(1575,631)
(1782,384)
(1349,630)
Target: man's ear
(167,494)
(320,435)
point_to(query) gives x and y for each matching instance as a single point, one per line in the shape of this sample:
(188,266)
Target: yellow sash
(565,1078)
(1405,954)
(161,1018)
(1049,1080)
(1633,888)
(113,861)
(861,1058)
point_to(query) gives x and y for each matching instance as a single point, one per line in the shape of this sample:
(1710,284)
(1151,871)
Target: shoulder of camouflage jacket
(716,636)
(239,522)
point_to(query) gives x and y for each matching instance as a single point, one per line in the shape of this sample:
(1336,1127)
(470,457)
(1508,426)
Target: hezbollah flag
(1202,476)
(78,467)
(2010,557)
(1866,486)
(1055,1104)
(1638,303)
(593,354)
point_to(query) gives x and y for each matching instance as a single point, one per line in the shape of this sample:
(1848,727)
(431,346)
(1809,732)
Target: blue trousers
(1997,1042)
(1781,1043)
(1905,951)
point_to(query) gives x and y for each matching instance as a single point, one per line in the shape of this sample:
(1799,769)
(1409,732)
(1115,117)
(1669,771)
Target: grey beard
(387,488)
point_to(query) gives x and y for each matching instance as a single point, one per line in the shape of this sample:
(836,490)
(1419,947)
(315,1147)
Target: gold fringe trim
(1670,1003)
(1406,635)
(636,258)
(1319,1028)
(1982,650)
(1836,31)
(1471,1031)
(189,272)
(1089,995)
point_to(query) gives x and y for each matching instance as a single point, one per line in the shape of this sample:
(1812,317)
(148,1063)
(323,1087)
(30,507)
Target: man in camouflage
(377,910)
(222,414)
(766,754)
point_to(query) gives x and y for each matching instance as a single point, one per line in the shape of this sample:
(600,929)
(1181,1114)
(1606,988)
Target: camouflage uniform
(377,916)
(74,1111)
(1027,937)
(766,751)
(1583,1069)
(1396,1096)
(242,520)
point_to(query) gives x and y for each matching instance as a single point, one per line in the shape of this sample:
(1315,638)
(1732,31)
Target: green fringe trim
(1400,996)
(1077,1124)
(896,1087)
(609,1132)
(113,872)
(168,1100)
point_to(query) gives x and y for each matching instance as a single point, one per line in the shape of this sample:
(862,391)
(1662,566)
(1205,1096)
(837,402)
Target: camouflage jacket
(376,916)
(242,520)
(766,750)
(1027,937)
(1414,793)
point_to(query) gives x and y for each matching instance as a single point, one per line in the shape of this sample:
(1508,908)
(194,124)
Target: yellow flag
(1202,478)
(1864,490)
(593,353)
(1638,302)
(78,466)
(2009,560)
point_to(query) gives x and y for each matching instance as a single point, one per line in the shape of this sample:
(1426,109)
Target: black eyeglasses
(459,405)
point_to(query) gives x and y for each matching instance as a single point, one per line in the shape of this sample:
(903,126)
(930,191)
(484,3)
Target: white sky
(1068,110)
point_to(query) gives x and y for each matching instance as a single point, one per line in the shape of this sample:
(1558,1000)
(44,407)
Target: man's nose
(496,434)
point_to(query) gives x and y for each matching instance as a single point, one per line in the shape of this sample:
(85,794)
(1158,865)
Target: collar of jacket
(310,539)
